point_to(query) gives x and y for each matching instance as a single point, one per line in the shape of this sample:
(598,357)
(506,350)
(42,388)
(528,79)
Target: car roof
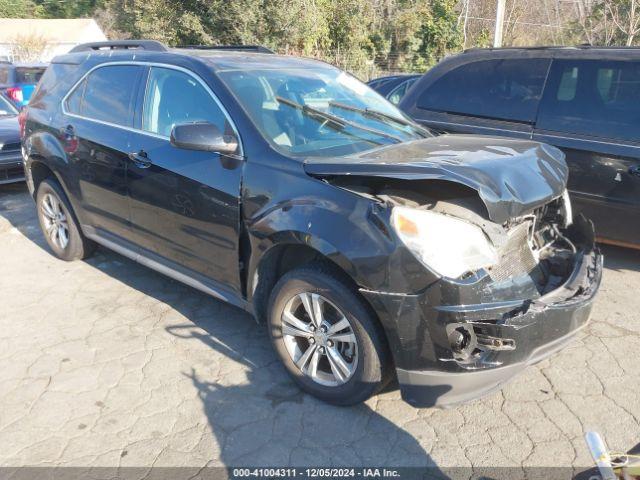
(580,51)
(221,60)
(238,57)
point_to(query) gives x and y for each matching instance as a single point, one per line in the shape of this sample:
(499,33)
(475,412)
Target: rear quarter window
(504,89)
(54,84)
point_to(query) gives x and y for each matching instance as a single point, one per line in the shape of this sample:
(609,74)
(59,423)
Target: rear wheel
(327,338)
(60,228)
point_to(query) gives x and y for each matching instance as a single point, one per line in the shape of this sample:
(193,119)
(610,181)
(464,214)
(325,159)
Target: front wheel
(326,337)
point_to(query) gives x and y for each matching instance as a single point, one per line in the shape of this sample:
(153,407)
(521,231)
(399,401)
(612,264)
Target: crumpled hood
(511,176)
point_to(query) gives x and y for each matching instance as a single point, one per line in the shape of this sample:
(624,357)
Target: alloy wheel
(319,338)
(55,221)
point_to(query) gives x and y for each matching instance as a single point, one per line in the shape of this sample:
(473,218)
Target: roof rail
(608,47)
(151,45)
(582,46)
(540,47)
(239,48)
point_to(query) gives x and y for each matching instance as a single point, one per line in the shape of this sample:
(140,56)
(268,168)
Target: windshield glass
(318,112)
(6,109)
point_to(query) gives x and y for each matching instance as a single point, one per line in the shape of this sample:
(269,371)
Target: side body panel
(185,207)
(590,111)
(97,156)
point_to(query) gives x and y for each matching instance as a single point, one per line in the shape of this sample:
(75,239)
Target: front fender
(325,227)
(349,230)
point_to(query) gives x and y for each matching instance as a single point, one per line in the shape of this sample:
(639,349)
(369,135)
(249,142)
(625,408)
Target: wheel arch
(39,171)
(285,255)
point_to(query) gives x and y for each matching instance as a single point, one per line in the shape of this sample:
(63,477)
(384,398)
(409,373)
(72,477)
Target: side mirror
(203,136)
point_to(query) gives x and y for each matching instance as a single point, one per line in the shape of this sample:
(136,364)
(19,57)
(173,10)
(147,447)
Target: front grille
(10,147)
(516,257)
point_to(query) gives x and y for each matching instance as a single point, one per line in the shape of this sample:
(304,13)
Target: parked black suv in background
(583,100)
(10,156)
(290,189)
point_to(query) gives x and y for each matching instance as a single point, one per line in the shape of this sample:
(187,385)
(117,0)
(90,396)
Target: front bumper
(508,335)
(11,168)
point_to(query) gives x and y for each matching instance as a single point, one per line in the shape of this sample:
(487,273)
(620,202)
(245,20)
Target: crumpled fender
(327,227)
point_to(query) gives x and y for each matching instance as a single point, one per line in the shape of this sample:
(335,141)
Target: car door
(96,132)
(184,203)
(591,110)
(497,96)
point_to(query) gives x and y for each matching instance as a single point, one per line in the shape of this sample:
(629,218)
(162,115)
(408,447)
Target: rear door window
(594,98)
(502,89)
(106,95)
(74,101)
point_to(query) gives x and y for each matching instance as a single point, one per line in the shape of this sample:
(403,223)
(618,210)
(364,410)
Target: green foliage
(16,8)
(362,36)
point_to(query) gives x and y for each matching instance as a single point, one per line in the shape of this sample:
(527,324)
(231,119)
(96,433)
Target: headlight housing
(447,245)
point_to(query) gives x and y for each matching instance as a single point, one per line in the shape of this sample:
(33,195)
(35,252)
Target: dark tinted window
(28,74)
(174,97)
(591,97)
(108,95)
(4,74)
(396,95)
(502,89)
(75,99)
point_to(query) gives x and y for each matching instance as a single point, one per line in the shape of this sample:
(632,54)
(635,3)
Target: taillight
(15,94)
(22,121)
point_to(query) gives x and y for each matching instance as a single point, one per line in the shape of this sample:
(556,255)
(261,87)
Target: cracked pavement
(107,363)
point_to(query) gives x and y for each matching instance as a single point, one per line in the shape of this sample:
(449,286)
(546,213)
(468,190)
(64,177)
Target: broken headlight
(445,244)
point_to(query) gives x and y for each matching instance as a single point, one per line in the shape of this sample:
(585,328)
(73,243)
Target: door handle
(140,159)
(634,170)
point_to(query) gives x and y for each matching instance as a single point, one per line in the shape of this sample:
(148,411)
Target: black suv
(288,188)
(583,100)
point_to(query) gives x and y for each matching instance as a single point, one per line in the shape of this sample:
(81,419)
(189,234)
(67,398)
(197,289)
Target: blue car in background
(19,80)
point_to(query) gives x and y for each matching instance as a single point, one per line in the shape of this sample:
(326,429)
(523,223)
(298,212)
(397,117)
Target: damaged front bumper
(456,342)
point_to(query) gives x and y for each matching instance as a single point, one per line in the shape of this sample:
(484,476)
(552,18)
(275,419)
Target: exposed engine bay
(540,244)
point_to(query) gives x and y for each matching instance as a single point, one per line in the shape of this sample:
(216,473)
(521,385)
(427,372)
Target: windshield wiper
(372,113)
(335,122)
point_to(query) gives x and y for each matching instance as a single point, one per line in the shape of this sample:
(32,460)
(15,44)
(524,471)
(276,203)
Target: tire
(54,211)
(368,370)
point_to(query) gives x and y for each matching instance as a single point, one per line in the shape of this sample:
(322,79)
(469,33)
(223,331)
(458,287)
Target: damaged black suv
(369,246)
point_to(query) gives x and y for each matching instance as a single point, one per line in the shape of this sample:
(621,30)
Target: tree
(16,8)
(28,48)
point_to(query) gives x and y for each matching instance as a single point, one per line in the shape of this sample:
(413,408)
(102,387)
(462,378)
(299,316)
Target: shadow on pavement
(257,414)
(620,258)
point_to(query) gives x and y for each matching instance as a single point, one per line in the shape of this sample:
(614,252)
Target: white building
(34,39)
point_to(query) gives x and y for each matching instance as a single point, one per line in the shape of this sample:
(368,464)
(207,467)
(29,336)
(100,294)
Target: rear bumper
(505,336)
(11,168)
